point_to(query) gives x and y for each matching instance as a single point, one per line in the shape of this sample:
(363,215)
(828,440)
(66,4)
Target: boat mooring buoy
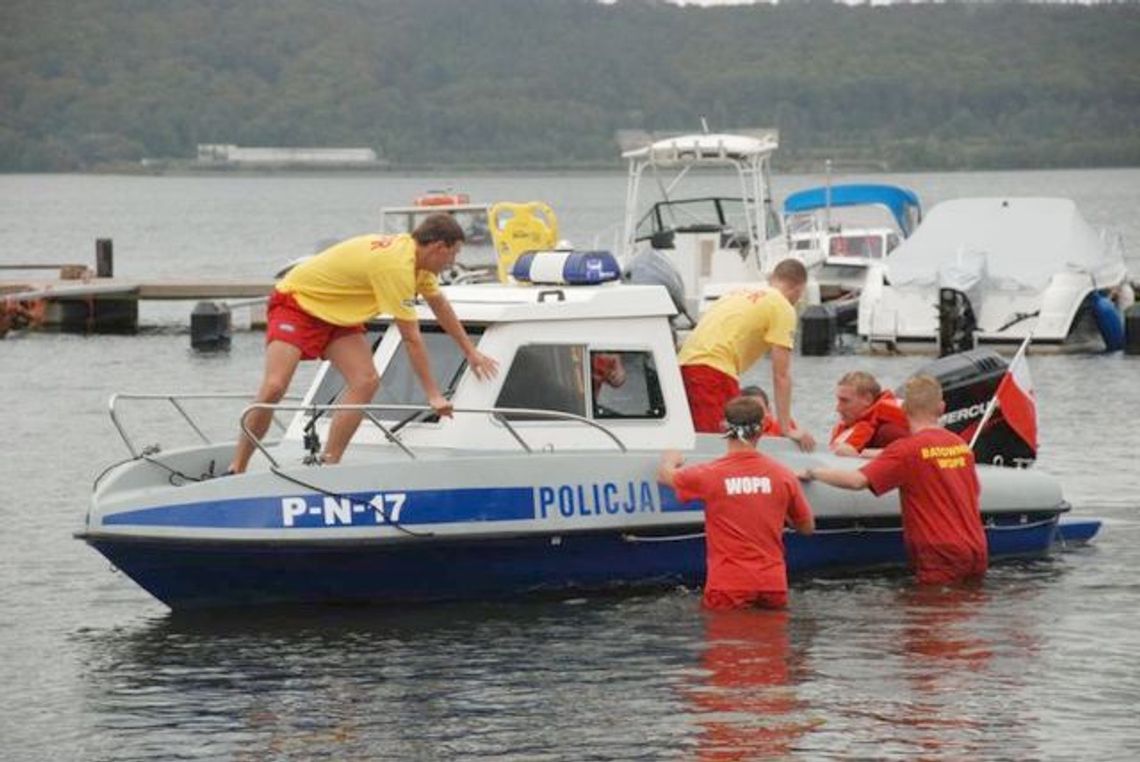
(817,331)
(210,327)
(1132,330)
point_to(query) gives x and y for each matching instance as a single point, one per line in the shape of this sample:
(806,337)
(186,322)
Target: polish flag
(1017,402)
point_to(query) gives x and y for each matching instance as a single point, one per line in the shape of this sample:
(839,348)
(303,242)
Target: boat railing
(390,432)
(175,401)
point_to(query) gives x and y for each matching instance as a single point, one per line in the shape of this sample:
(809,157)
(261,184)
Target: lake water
(1042,663)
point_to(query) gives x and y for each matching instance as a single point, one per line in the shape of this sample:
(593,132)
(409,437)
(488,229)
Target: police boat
(543,481)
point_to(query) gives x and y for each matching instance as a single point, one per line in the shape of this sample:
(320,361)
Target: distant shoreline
(188,169)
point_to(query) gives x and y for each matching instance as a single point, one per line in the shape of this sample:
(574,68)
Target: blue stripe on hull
(185,575)
(311,511)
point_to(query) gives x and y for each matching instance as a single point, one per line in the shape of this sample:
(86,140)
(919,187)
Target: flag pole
(993,400)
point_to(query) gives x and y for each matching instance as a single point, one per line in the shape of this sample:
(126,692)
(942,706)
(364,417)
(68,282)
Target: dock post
(104,258)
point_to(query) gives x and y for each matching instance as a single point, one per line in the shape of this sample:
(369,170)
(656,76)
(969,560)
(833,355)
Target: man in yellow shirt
(319,309)
(731,336)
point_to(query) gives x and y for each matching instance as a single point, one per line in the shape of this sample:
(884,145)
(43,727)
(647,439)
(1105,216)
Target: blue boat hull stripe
(413,507)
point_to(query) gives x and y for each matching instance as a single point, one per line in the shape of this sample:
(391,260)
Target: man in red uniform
(870,418)
(749,498)
(938,487)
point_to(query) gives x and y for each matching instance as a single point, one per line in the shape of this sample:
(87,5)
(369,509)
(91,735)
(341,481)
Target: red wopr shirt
(748,499)
(938,489)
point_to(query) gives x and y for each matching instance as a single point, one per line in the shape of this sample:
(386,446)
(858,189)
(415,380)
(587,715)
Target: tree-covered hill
(525,83)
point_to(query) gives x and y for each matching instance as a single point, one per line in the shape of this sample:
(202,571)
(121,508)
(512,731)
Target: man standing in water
(731,336)
(318,310)
(934,472)
(749,498)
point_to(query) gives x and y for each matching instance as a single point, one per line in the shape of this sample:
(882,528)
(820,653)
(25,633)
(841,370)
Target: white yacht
(704,201)
(995,271)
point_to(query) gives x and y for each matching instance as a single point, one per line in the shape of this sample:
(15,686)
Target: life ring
(439,198)
(517,228)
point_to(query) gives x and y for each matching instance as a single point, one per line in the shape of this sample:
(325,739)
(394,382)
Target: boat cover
(1011,243)
(899,200)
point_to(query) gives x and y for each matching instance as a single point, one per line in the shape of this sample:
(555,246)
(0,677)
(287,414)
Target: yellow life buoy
(517,228)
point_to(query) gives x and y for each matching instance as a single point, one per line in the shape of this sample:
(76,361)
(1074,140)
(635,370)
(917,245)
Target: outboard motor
(969,381)
(653,268)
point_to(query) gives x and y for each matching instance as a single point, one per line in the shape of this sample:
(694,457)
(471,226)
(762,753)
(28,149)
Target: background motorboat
(703,203)
(995,271)
(476,261)
(839,230)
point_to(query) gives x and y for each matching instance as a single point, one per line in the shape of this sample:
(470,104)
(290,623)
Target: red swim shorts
(708,390)
(720,600)
(286,321)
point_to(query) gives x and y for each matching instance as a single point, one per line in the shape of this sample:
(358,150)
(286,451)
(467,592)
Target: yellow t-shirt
(738,329)
(360,278)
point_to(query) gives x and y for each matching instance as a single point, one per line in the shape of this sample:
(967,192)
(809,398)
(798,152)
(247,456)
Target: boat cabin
(570,356)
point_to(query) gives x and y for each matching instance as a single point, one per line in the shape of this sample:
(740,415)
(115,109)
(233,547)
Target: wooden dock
(111,305)
(75,298)
(143,290)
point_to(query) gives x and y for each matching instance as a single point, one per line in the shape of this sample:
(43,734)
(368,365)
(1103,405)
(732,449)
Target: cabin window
(861,246)
(398,383)
(545,377)
(624,384)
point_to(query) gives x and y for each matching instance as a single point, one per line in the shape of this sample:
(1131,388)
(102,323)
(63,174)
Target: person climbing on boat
(749,498)
(735,332)
(319,308)
(870,417)
(934,471)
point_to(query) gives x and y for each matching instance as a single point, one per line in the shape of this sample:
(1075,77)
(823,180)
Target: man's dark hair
(440,226)
(755,391)
(742,418)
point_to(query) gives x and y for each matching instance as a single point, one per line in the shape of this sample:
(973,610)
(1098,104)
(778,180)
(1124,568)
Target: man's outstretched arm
(836,477)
